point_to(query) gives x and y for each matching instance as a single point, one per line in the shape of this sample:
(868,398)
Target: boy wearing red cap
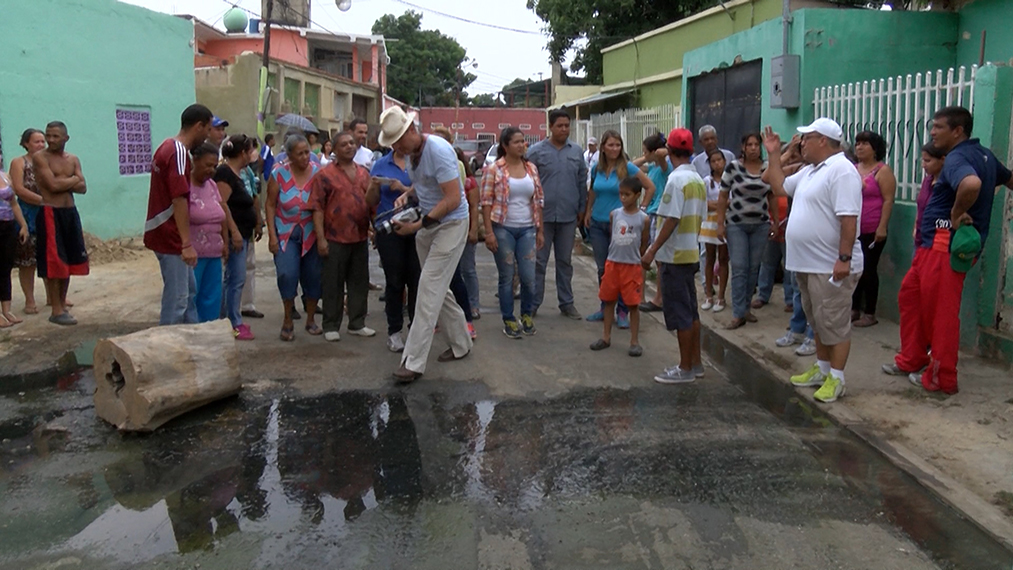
(682,209)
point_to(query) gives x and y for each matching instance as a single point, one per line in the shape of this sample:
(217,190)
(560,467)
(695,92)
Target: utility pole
(262,104)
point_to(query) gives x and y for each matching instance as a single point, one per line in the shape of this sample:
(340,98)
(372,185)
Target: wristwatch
(844,257)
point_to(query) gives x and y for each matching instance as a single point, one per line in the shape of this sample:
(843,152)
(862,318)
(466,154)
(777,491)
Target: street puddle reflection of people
(418,479)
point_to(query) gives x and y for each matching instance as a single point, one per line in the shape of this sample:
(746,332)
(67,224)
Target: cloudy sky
(501,55)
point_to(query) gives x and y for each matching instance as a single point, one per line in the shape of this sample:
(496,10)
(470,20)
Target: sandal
(13,319)
(736,323)
(649,307)
(750,318)
(600,344)
(33,310)
(867,320)
(287,334)
(314,329)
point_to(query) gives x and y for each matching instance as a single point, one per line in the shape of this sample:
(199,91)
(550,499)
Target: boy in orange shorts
(623,273)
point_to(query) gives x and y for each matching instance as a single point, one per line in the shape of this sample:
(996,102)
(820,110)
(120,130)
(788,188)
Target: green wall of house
(76,61)
(992,16)
(663,53)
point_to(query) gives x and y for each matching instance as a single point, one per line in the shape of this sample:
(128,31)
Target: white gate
(634,125)
(900,109)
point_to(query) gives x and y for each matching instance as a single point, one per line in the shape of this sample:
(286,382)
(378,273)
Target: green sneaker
(512,329)
(811,377)
(528,325)
(832,389)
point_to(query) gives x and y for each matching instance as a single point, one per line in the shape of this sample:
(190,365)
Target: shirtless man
(61,251)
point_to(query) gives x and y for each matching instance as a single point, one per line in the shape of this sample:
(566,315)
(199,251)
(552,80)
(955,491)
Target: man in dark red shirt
(167,228)
(343,201)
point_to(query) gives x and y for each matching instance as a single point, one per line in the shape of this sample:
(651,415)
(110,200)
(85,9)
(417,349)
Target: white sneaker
(707,304)
(364,331)
(808,348)
(789,339)
(395,343)
(719,306)
(332,336)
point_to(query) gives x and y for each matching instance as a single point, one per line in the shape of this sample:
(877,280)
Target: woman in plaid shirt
(512,209)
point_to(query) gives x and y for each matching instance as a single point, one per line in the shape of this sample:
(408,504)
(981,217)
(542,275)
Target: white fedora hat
(394,123)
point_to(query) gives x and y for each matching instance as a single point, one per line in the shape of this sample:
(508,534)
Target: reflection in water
(382,479)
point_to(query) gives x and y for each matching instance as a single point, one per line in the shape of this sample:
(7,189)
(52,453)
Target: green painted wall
(75,61)
(994,17)
(664,52)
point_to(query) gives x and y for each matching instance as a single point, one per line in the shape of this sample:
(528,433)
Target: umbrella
(298,121)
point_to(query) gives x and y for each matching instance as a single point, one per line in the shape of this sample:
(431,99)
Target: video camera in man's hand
(409,213)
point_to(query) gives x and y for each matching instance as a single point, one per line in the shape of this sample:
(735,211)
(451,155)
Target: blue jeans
(773,257)
(179,288)
(798,323)
(601,236)
(746,243)
(294,268)
(208,275)
(235,277)
(519,244)
(470,274)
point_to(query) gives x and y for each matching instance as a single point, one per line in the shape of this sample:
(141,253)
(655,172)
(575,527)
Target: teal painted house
(118,75)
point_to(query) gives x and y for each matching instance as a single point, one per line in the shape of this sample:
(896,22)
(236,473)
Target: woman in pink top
(878,188)
(208,232)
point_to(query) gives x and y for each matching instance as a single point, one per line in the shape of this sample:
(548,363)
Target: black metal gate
(728,99)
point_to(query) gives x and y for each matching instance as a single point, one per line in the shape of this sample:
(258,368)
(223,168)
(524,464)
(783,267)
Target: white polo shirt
(820,194)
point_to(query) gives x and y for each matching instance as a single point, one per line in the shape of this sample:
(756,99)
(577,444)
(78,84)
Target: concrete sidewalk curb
(980,512)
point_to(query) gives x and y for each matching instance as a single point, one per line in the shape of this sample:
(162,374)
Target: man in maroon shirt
(167,229)
(343,200)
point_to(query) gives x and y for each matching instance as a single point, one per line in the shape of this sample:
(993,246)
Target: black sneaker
(512,329)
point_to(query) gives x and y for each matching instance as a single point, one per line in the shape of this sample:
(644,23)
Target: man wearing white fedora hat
(441,236)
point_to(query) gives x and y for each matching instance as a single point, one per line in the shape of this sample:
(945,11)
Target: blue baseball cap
(217,121)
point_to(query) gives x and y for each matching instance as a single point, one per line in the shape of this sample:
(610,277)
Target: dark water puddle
(419,478)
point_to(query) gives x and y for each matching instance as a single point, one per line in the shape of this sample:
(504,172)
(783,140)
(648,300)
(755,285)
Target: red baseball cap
(681,139)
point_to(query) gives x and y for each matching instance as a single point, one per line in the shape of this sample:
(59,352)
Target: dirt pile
(118,249)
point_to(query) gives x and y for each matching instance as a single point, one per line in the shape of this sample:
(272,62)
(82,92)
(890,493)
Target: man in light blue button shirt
(563,174)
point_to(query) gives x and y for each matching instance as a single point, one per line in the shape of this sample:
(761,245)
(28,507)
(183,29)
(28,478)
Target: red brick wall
(469,122)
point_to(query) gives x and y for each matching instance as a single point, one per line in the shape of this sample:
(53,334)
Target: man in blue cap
(216,135)
(953,230)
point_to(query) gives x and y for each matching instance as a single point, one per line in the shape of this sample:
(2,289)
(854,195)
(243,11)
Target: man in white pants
(440,239)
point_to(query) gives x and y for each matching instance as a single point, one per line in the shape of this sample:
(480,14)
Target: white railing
(900,109)
(634,125)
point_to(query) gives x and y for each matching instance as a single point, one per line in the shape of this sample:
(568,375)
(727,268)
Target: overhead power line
(466,20)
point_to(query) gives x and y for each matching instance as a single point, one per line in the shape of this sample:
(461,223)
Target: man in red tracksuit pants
(929,297)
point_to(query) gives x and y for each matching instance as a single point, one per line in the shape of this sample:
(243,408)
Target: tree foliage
(485,100)
(422,62)
(590,25)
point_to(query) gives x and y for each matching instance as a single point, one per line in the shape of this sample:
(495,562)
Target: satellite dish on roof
(344,5)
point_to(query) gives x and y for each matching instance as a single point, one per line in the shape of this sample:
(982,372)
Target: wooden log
(147,378)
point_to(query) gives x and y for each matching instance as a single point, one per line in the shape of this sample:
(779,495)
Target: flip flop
(314,329)
(287,334)
(600,344)
(31,310)
(13,319)
(649,307)
(4,323)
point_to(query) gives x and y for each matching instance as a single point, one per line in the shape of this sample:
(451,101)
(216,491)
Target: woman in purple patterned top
(208,232)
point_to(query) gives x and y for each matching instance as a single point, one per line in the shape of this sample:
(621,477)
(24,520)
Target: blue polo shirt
(386,167)
(968,158)
(606,191)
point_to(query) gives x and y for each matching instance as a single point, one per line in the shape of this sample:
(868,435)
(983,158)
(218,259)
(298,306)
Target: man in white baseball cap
(440,238)
(591,154)
(821,245)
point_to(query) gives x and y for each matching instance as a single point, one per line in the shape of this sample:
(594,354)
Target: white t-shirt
(364,157)
(820,194)
(522,192)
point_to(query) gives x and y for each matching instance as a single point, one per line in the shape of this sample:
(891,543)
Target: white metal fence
(634,125)
(900,109)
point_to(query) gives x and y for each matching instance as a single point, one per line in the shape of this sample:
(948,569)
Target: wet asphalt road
(474,467)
